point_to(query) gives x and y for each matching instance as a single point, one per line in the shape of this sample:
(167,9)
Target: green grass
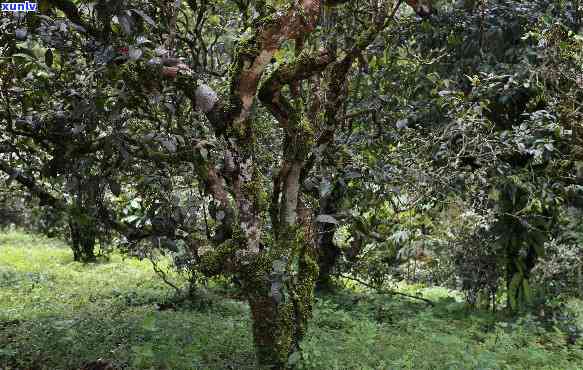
(59,314)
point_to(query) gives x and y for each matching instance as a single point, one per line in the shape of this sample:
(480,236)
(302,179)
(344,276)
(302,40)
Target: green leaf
(214,19)
(204,153)
(279,266)
(294,358)
(125,24)
(325,188)
(23,56)
(131,218)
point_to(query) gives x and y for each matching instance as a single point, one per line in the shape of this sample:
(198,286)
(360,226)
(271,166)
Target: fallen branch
(384,291)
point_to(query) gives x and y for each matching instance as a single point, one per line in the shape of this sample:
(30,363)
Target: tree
(278,269)
(119,117)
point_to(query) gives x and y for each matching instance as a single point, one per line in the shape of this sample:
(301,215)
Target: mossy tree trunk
(82,220)
(280,295)
(520,261)
(328,252)
(267,240)
(82,240)
(523,240)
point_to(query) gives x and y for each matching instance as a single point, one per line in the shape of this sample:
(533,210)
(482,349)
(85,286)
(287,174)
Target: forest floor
(59,314)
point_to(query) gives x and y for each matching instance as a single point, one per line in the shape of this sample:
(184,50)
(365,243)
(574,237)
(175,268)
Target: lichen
(217,260)
(279,324)
(255,190)
(246,51)
(304,287)
(299,139)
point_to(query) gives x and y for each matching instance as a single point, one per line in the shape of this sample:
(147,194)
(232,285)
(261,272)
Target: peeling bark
(290,194)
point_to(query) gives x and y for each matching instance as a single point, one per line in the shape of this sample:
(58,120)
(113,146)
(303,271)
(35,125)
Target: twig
(163,275)
(384,291)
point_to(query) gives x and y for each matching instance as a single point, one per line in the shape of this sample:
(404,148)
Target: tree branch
(45,197)
(384,291)
(303,67)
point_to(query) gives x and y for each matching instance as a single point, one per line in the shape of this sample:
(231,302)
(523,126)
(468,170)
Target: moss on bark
(281,296)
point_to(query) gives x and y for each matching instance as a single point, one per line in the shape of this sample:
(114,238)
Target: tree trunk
(82,241)
(281,299)
(273,334)
(328,254)
(518,271)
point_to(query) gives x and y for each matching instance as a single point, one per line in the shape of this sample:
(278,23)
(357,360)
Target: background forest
(310,184)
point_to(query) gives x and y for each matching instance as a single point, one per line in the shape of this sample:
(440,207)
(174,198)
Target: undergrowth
(59,314)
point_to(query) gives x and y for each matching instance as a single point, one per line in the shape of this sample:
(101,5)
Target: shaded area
(56,315)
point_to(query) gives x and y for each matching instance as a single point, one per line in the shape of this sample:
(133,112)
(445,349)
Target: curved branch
(303,67)
(45,197)
(252,57)
(384,291)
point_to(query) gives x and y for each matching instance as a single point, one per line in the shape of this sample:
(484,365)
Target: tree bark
(280,292)
(82,241)
(328,254)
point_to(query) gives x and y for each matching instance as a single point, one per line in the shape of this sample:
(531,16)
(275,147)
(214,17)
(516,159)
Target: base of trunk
(83,243)
(280,308)
(273,332)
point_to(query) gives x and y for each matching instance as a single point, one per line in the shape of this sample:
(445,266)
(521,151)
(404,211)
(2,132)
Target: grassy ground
(59,314)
